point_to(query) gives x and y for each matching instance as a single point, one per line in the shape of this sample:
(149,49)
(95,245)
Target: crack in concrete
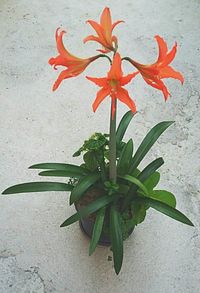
(35,270)
(14,279)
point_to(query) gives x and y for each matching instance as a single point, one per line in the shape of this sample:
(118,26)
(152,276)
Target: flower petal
(60,46)
(106,22)
(101,94)
(97,27)
(93,38)
(116,70)
(102,82)
(168,71)
(170,56)
(59,60)
(116,23)
(63,75)
(124,97)
(162,48)
(126,79)
(104,51)
(158,84)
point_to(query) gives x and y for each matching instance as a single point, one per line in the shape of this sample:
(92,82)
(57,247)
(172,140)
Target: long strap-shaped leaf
(38,187)
(89,209)
(164,208)
(126,119)
(148,142)
(98,226)
(150,169)
(135,181)
(125,158)
(81,187)
(146,173)
(61,173)
(60,166)
(116,238)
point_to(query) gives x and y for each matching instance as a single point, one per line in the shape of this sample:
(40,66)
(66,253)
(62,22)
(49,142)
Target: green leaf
(148,142)
(135,173)
(61,173)
(139,213)
(125,158)
(60,166)
(152,181)
(77,153)
(90,160)
(82,186)
(164,196)
(150,169)
(89,209)
(164,208)
(135,181)
(38,187)
(98,226)
(116,238)
(96,142)
(126,119)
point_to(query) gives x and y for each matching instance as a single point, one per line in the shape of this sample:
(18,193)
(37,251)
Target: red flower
(112,86)
(104,31)
(74,65)
(153,73)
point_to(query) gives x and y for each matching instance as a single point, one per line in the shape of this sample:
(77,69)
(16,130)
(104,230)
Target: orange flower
(74,65)
(153,73)
(112,85)
(104,31)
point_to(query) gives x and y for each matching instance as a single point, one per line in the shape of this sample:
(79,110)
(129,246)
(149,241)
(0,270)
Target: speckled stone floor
(162,256)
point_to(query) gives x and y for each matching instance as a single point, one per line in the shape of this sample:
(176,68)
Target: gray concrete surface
(162,256)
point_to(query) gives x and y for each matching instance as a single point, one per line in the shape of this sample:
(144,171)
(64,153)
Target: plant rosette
(110,191)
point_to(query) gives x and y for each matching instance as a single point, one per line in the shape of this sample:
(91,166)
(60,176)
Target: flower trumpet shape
(104,32)
(75,65)
(153,73)
(112,86)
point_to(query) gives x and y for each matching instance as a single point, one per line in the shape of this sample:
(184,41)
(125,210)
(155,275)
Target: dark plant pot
(87,225)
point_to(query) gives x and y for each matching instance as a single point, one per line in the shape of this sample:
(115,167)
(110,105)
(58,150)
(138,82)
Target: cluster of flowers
(112,84)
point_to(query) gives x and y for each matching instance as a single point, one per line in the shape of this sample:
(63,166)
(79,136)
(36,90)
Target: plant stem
(112,144)
(105,56)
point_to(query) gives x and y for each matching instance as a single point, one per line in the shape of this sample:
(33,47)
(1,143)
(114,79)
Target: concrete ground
(162,256)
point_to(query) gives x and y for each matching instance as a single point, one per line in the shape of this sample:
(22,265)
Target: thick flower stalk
(154,73)
(75,65)
(104,32)
(112,86)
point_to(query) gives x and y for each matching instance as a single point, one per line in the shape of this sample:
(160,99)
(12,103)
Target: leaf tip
(90,251)
(5,191)
(62,225)
(190,223)
(41,173)
(32,167)
(117,270)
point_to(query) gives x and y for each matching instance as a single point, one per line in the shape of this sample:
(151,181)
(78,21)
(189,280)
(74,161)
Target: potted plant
(110,192)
